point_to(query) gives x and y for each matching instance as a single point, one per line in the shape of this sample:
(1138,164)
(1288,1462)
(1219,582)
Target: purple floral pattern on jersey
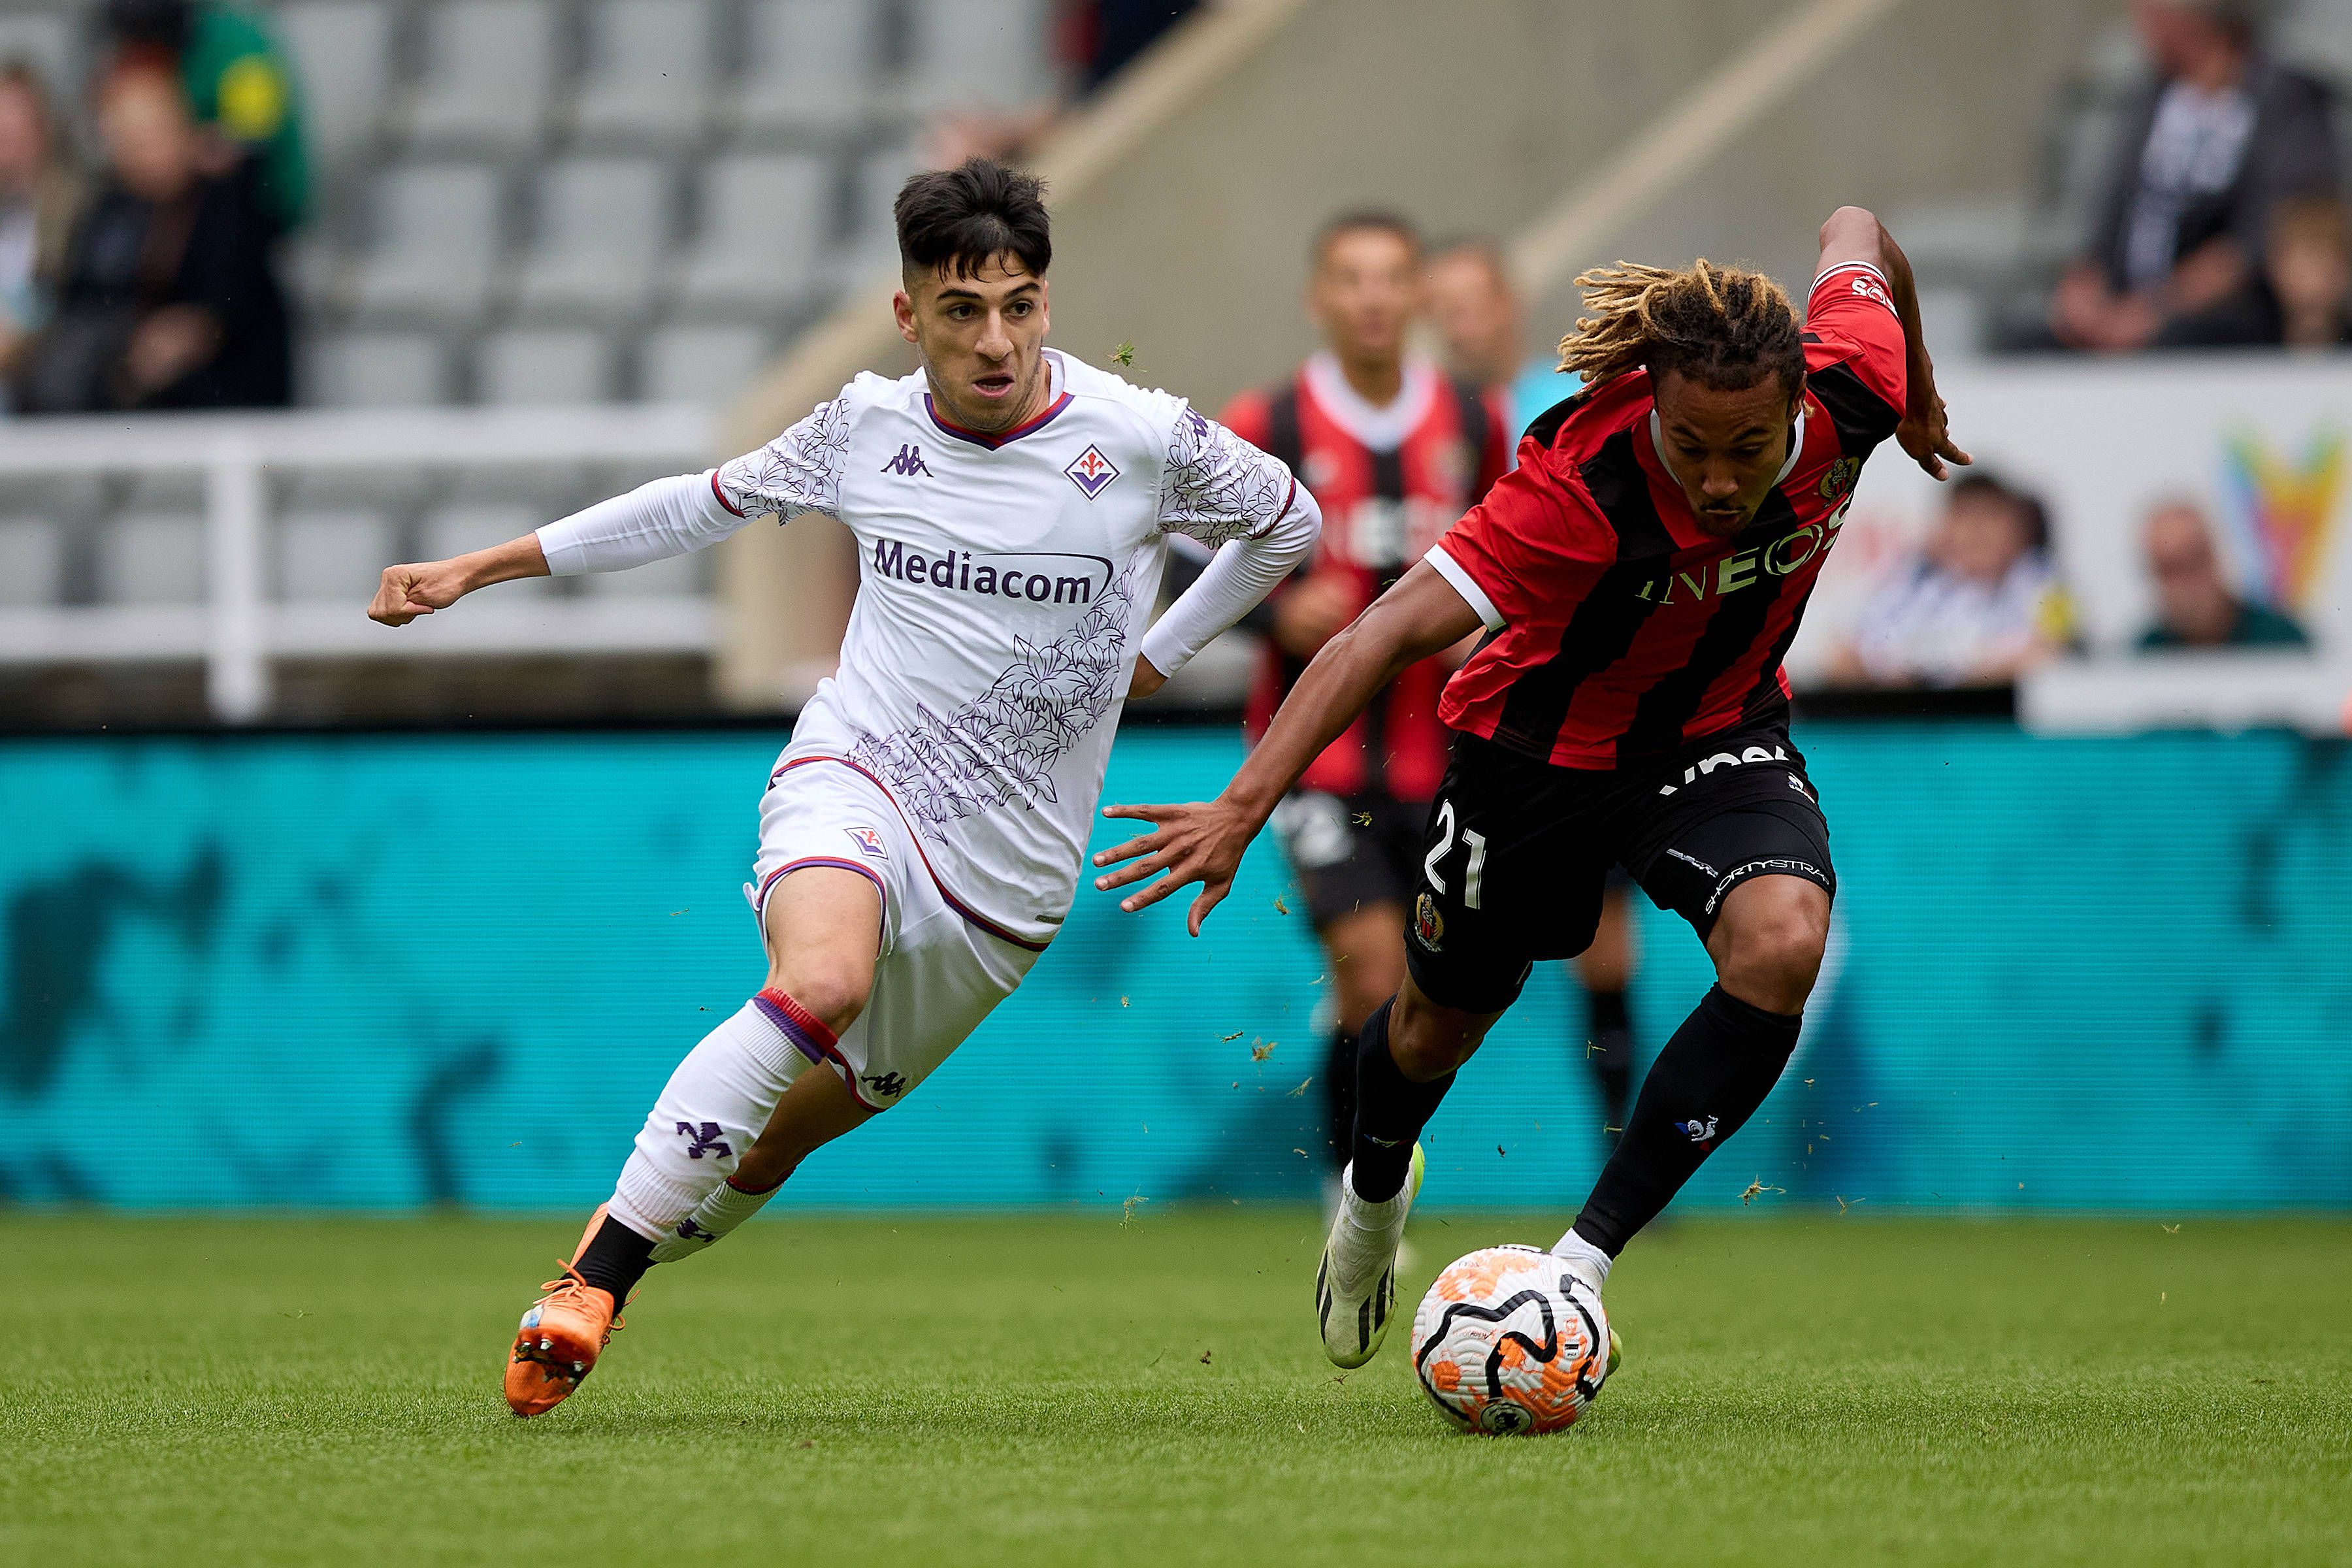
(1003,746)
(798,471)
(1219,487)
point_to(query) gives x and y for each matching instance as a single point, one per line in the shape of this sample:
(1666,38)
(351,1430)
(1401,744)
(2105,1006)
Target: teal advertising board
(378,972)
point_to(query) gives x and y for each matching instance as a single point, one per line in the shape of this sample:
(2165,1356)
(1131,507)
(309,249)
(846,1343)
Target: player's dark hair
(1377,220)
(960,219)
(1723,326)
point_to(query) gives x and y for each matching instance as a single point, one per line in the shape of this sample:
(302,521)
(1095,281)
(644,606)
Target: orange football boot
(562,1336)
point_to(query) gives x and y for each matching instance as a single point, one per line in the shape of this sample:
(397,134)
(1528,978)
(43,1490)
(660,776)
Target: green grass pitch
(1072,1390)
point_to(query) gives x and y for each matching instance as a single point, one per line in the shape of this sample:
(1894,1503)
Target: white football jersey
(1003,583)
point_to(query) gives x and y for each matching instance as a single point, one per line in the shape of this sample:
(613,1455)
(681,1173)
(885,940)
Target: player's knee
(1428,1041)
(1771,946)
(834,989)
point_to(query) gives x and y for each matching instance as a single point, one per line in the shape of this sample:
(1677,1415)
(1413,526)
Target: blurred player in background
(1639,576)
(1393,451)
(921,835)
(1483,323)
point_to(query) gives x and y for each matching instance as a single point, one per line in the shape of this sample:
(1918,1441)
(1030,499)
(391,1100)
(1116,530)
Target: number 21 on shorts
(1473,879)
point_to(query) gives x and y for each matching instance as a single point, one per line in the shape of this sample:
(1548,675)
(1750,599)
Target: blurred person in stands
(2219,140)
(2309,268)
(2195,605)
(240,89)
(1979,606)
(1481,320)
(170,298)
(40,190)
(1393,451)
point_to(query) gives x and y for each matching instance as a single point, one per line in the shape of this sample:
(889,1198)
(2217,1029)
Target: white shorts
(940,973)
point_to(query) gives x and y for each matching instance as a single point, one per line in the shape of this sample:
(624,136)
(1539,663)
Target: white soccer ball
(1508,1341)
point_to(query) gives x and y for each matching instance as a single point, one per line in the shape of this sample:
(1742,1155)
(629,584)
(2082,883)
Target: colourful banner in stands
(388,971)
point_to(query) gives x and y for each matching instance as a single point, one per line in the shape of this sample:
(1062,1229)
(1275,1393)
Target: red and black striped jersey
(1619,627)
(1389,480)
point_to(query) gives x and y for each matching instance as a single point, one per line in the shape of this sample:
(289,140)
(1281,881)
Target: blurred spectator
(39,192)
(1978,607)
(1483,323)
(2309,268)
(2195,606)
(170,300)
(239,85)
(1100,37)
(2220,137)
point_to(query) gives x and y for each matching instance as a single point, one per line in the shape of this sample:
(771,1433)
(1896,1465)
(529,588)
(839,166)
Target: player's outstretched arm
(1203,842)
(407,592)
(1855,234)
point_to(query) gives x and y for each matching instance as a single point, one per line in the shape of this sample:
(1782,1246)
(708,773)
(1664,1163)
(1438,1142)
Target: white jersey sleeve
(663,518)
(798,471)
(1216,485)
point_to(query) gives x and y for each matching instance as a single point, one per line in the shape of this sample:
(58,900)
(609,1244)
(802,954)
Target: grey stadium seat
(32,561)
(981,54)
(374,370)
(435,241)
(152,558)
(455,530)
(764,222)
(650,67)
(603,224)
(545,367)
(341,51)
(700,364)
(812,64)
(490,63)
(331,556)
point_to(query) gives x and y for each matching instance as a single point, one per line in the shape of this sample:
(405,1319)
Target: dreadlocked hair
(1724,326)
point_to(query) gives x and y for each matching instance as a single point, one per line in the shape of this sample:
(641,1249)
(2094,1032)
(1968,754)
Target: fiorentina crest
(1092,472)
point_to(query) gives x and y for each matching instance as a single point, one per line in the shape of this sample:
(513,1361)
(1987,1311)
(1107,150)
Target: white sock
(714,1105)
(727,1206)
(1364,1214)
(1586,1261)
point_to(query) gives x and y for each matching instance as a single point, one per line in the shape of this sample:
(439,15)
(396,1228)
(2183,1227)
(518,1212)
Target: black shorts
(1517,852)
(1351,851)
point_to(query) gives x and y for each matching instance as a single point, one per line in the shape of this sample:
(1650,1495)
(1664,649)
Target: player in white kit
(921,835)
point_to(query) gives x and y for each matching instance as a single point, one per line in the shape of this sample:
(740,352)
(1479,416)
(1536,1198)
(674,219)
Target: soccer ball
(1507,1341)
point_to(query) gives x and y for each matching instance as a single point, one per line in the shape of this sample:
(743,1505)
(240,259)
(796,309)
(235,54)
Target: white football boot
(1355,1288)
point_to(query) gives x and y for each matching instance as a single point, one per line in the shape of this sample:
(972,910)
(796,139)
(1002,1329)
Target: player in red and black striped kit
(1639,576)
(1393,451)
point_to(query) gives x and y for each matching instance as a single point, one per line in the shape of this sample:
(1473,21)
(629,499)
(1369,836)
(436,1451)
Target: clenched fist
(408,592)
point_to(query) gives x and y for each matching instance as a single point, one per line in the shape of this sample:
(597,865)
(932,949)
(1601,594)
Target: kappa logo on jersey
(910,461)
(704,1139)
(868,842)
(888,1085)
(963,572)
(1092,472)
(1700,1132)
(1700,768)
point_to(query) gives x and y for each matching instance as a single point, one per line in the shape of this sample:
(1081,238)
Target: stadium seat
(700,365)
(553,367)
(331,556)
(374,370)
(764,222)
(453,530)
(435,241)
(489,64)
(603,222)
(873,235)
(651,64)
(341,51)
(152,558)
(32,561)
(811,65)
(981,54)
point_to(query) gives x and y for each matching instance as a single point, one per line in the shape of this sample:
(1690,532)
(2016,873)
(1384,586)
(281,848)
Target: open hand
(408,592)
(1925,434)
(1201,843)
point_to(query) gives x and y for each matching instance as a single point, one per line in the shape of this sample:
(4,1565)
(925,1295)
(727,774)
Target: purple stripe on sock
(789,1030)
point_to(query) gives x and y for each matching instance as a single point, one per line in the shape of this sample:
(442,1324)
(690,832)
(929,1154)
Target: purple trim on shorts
(768,881)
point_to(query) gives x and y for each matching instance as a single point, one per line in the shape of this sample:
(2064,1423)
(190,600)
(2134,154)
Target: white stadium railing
(238,631)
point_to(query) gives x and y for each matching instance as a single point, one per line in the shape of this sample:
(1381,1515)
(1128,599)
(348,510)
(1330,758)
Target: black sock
(1339,1095)
(1391,1111)
(1609,1053)
(614,1260)
(1705,1085)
